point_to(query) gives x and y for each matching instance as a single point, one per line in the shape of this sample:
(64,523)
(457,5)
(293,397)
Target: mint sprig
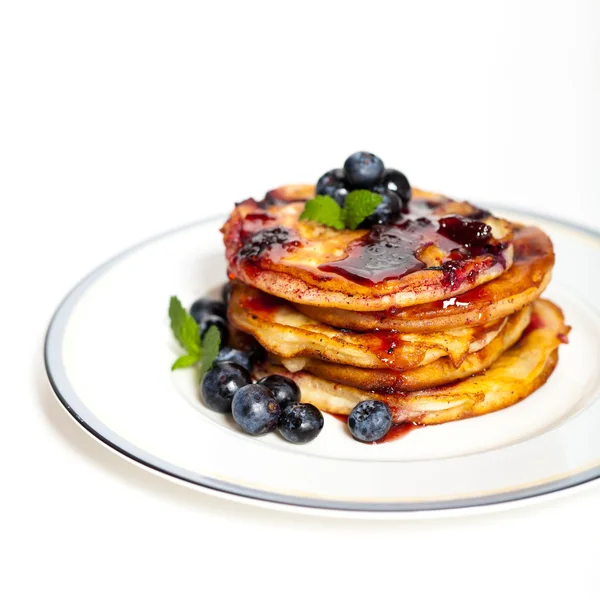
(187,333)
(210,348)
(359,205)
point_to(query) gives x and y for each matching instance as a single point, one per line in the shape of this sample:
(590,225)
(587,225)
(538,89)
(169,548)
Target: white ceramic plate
(108,355)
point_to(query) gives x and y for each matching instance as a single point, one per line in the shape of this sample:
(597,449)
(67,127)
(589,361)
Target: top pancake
(400,264)
(518,287)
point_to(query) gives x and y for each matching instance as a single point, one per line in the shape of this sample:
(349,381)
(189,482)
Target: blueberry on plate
(220,383)
(238,357)
(331,182)
(370,420)
(363,170)
(254,409)
(300,423)
(395,181)
(210,320)
(205,307)
(388,210)
(284,390)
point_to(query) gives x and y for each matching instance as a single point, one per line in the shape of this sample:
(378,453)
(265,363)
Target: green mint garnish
(210,348)
(324,210)
(359,205)
(187,333)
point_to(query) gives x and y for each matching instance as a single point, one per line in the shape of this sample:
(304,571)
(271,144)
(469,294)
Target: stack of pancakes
(420,313)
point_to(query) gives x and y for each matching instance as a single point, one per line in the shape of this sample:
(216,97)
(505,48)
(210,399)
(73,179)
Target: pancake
(439,372)
(514,376)
(514,289)
(284,331)
(401,264)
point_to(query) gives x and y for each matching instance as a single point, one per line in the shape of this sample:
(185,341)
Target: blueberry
(238,357)
(300,423)
(226,293)
(331,182)
(206,306)
(397,182)
(254,409)
(389,210)
(363,170)
(257,353)
(210,320)
(220,383)
(340,196)
(370,420)
(284,390)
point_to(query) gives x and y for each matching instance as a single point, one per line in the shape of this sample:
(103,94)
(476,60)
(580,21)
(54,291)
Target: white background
(121,119)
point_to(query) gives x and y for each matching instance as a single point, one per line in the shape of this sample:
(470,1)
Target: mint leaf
(187,360)
(359,205)
(210,348)
(184,328)
(324,210)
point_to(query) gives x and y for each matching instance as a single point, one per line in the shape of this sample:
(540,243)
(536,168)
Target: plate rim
(67,397)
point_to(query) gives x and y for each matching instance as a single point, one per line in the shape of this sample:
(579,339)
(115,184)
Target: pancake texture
(284,331)
(436,373)
(516,374)
(519,286)
(437,313)
(396,265)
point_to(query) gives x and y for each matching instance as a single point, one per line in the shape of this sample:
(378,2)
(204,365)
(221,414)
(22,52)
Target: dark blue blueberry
(340,196)
(254,409)
(300,423)
(226,293)
(257,353)
(284,390)
(220,383)
(238,357)
(210,320)
(331,182)
(205,307)
(388,211)
(397,182)
(370,420)
(363,170)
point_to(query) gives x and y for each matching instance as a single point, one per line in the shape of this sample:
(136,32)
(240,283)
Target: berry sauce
(413,242)
(263,244)
(388,252)
(391,251)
